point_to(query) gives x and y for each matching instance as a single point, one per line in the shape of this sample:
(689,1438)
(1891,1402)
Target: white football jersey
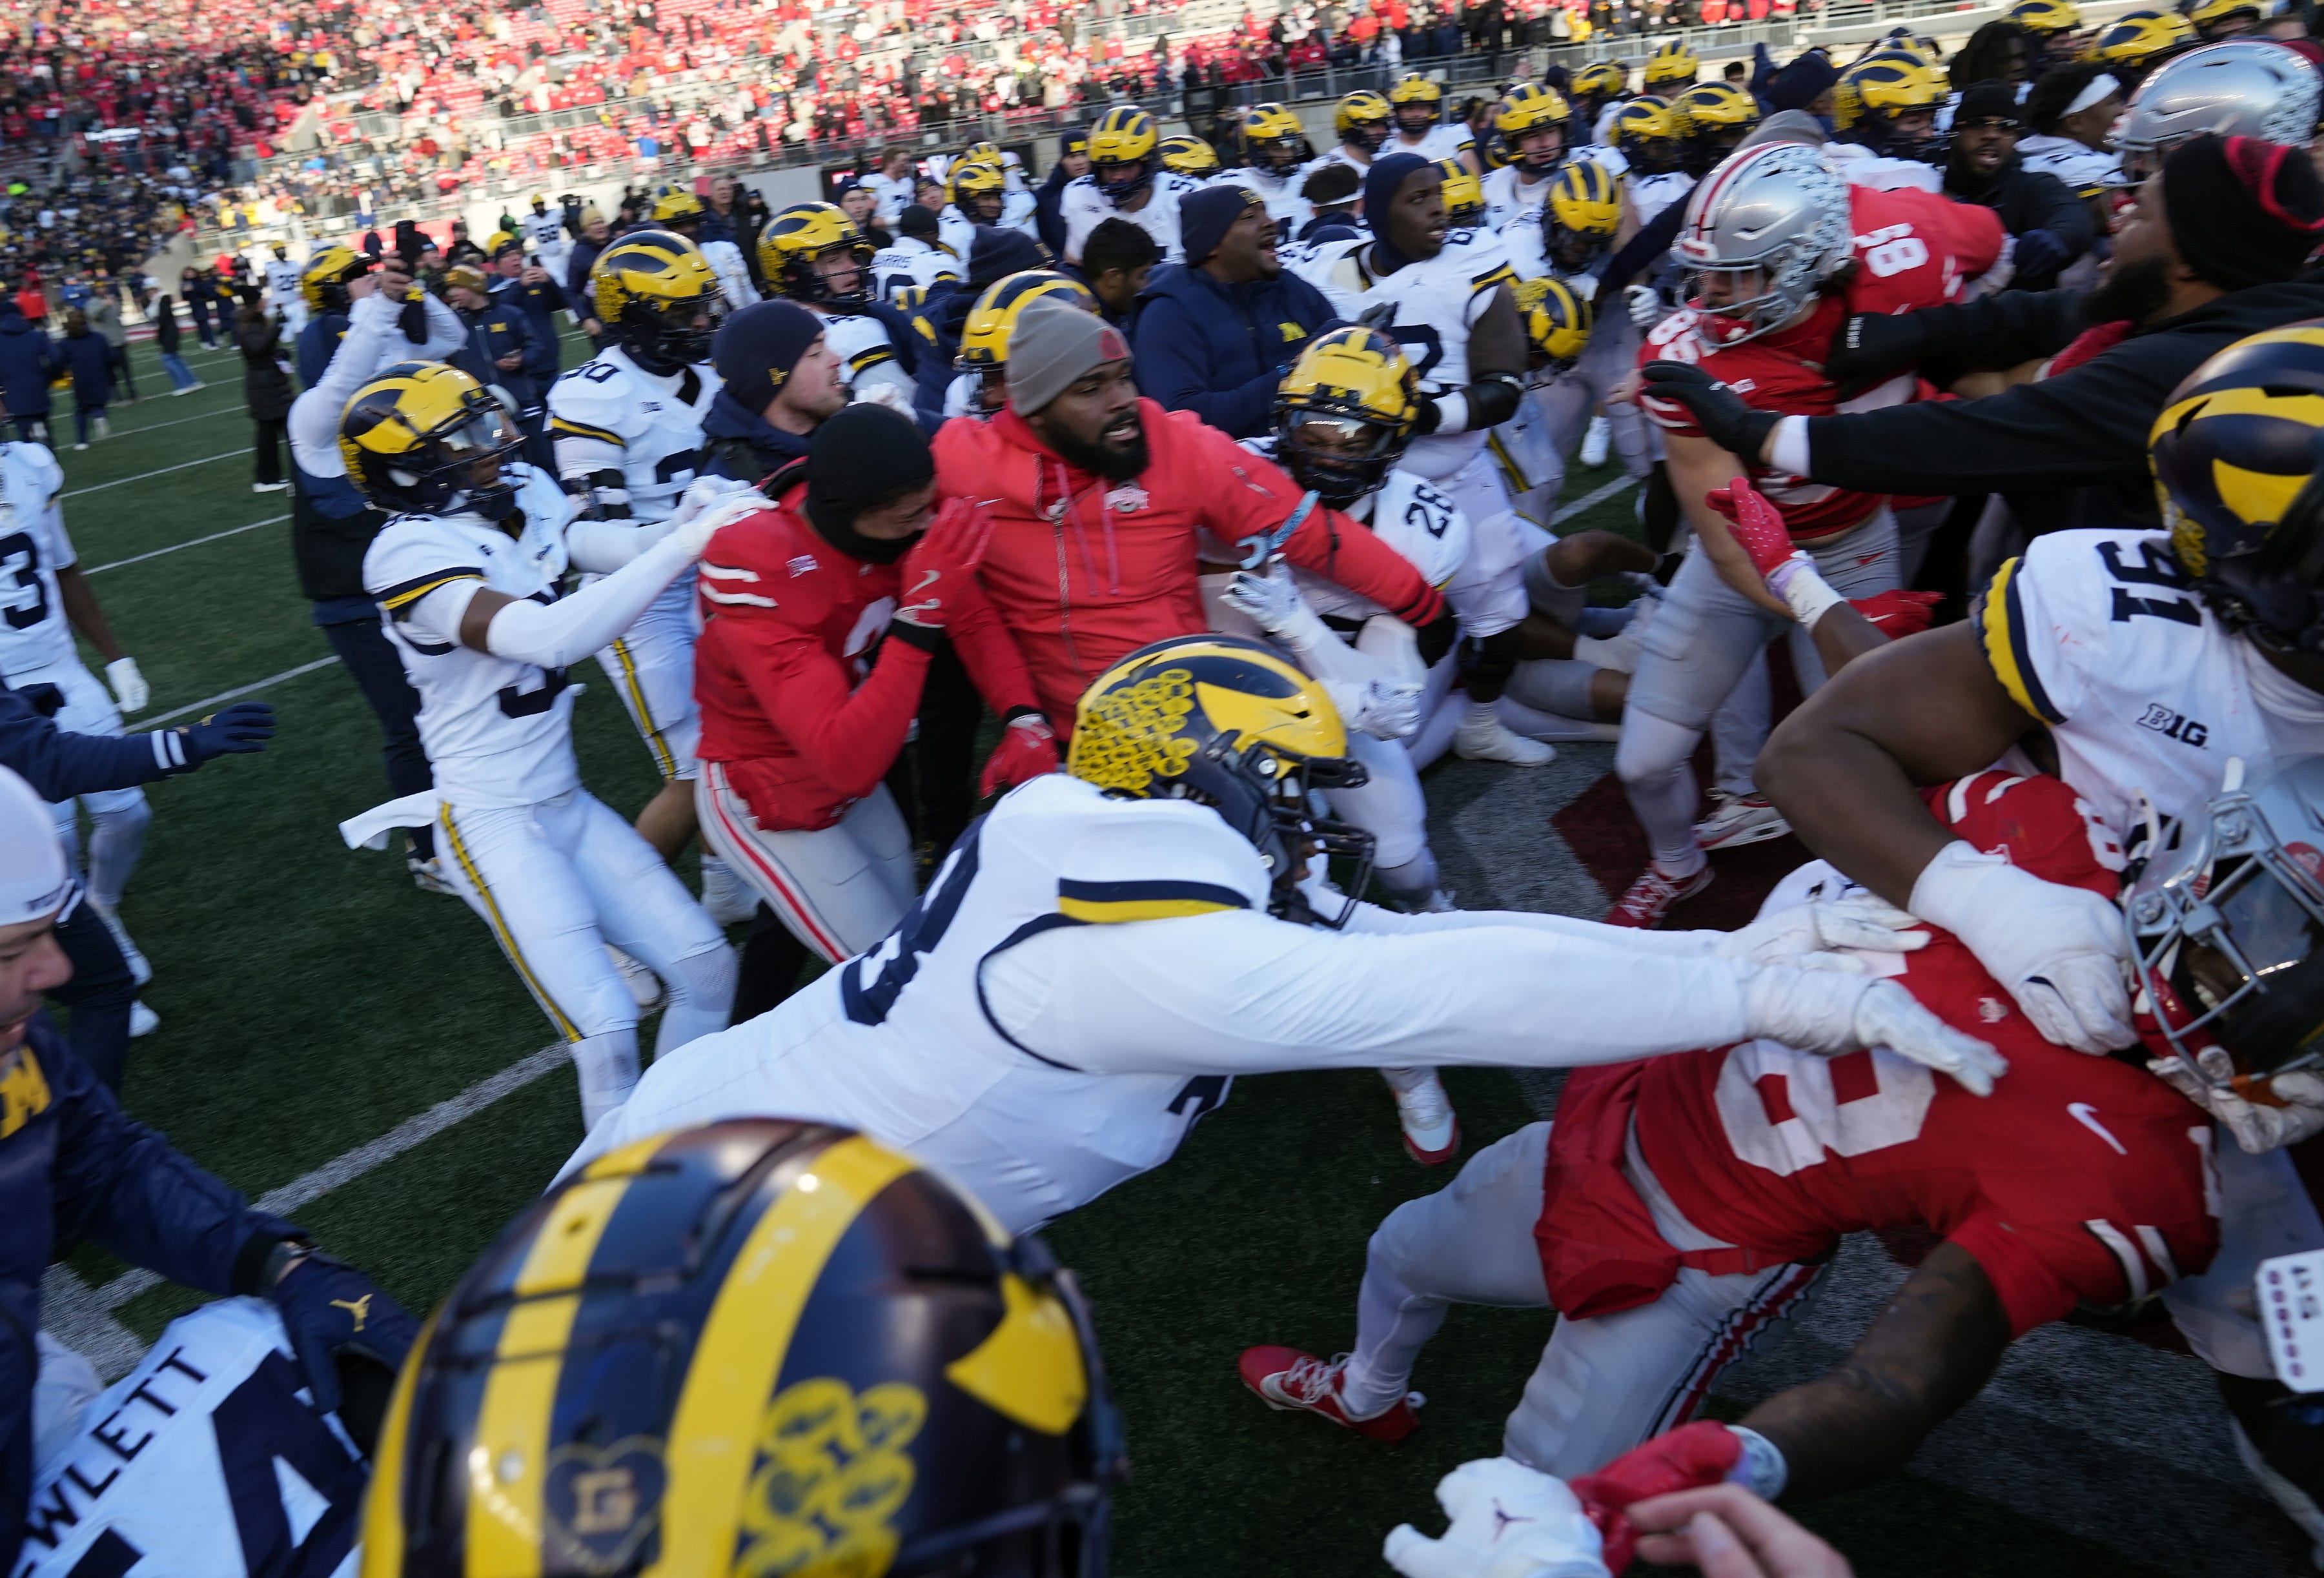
(898,1042)
(860,342)
(654,420)
(282,277)
(207,1460)
(2099,636)
(1419,522)
(34,632)
(544,232)
(956,230)
(1617,163)
(911,261)
(1340,153)
(1084,208)
(1509,196)
(1651,194)
(1444,141)
(497,732)
(2083,168)
(1281,193)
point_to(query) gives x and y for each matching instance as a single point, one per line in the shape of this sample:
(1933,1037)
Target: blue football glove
(329,1308)
(2040,255)
(243,727)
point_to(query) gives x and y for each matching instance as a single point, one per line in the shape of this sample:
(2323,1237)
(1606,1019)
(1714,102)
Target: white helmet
(2243,87)
(2226,916)
(1777,209)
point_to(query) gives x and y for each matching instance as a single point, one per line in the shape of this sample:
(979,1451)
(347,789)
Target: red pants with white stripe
(1604,1384)
(840,889)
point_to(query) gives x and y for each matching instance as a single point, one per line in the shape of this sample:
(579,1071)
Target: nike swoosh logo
(2084,1113)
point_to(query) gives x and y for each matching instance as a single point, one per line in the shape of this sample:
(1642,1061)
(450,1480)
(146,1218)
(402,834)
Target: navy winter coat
(1219,350)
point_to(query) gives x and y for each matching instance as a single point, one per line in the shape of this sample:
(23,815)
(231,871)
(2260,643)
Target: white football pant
(840,889)
(117,817)
(1604,1384)
(651,666)
(1562,413)
(1699,649)
(559,880)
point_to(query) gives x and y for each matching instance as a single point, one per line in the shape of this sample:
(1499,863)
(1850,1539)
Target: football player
(1447,294)
(1535,123)
(681,212)
(2250,88)
(918,260)
(1190,156)
(1680,1208)
(1592,88)
(2151,659)
(283,295)
(1896,97)
(1417,107)
(1465,196)
(544,235)
(2137,41)
(1363,120)
(1088,970)
(44,599)
(467,572)
(1126,181)
(2054,25)
(975,195)
(1711,118)
(627,429)
(813,254)
(1275,160)
(980,385)
(1778,245)
(1671,71)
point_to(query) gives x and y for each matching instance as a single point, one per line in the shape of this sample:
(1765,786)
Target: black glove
(241,728)
(1718,409)
(1873,347)
(333,1311)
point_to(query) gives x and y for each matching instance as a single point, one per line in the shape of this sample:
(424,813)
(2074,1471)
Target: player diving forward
(627,426)
(465,573)
(1103,951)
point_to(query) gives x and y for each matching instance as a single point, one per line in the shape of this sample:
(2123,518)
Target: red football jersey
(1913,249)
(2080,1178)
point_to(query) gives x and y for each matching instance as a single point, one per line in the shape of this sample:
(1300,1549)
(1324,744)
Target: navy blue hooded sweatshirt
(1219,350)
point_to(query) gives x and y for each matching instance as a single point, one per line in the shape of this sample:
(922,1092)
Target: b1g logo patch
(2172,725)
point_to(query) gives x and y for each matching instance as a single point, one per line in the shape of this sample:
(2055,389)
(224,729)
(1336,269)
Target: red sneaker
(1287,1380)
(1650,898)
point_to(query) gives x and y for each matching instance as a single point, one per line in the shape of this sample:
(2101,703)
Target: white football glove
(1271,598)
(1646,306)
(2060,951)
(1377,707)
(1804,936)
(879,392)
(1831,1012)
(693,529)
(1507,1521)
(2258,1127)
(129,686)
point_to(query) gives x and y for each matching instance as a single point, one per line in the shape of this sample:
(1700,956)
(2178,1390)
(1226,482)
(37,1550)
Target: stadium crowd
(1043,593)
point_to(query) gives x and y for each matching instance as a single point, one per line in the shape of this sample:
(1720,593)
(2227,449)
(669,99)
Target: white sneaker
(643,984)
(103,428)
(1596,444)
(1482,737)
(254,486)
(139,971)
(142,1020)
(1432,1131)
(187,390)
(80,447)
(727,897)
(1738,820)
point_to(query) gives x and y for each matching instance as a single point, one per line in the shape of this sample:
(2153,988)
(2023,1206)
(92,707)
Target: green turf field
(312,1000)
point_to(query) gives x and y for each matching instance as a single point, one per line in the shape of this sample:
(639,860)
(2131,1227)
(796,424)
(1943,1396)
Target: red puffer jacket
(1083,570)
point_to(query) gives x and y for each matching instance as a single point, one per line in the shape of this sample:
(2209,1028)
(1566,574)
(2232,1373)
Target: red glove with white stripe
(1758,527)
(1688,1458)
(1028,750)
(1899,613)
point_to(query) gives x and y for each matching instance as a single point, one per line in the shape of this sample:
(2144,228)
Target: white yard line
(209,702)
(174,422)
(165,471)
(344,1169)
(189,543)
(1591,500)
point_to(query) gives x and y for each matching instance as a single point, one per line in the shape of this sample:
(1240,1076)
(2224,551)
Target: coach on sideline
(1216,334)
(2213,251)
(76,1167)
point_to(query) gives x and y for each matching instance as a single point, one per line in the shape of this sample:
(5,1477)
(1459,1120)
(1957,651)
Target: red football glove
(944,559)
(1758,525)
(1027,749)
(1898,614)
(1685,1459)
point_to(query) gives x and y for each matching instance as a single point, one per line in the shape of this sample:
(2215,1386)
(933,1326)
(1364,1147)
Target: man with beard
(2053,227)
(1099,497)
(2213,251)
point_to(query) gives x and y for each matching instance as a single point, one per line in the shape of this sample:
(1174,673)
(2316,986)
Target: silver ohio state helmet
(1777,209)
(2243,87)
(2226,916)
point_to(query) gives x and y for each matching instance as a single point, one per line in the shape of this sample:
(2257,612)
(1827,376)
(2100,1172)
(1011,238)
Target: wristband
(1798,583)
(1452,412)
(1761,1470)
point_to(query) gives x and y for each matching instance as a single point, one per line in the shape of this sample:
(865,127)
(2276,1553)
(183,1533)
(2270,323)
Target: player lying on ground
(1679,1207)
(1105,951)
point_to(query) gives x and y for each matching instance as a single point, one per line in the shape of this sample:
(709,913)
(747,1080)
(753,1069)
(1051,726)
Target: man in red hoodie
(1099,501)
